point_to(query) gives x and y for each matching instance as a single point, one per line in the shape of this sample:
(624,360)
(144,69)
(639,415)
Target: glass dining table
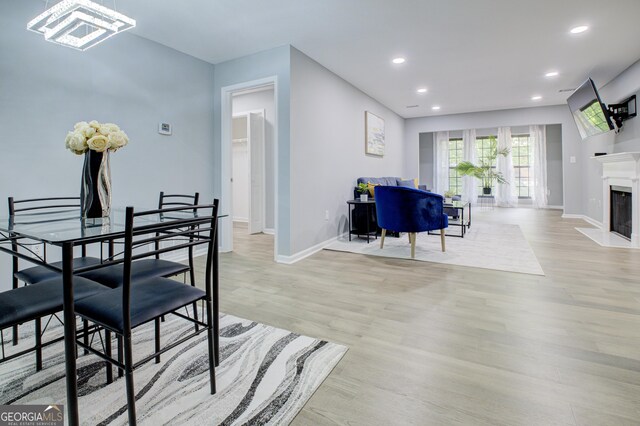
(66,229)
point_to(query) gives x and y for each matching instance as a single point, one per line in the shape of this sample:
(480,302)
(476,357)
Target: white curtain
(506,193)
(442,162)
(538,161)
(469,183)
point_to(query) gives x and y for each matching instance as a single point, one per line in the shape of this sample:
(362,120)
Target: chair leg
(412,238)
(85,330)
(128,375)
(157,323)
(382,235)
(107,352)
(120,359)
(211,344)
(38,325)
(15,327)
(442,239)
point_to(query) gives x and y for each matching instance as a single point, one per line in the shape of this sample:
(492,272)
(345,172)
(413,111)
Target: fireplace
(621,210)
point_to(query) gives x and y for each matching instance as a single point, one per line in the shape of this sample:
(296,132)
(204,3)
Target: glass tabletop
(457,204)
(67,225)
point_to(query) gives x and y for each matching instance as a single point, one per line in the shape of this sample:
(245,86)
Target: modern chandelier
(79,24)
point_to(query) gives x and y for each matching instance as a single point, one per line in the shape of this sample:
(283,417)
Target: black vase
(95,191)
(486,191)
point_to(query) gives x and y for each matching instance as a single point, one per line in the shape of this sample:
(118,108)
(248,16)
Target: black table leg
(462,221)
(69,334)
(368,223)
(349,219)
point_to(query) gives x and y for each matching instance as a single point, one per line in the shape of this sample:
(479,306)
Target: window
(484,148)
(521,164)
(455,156)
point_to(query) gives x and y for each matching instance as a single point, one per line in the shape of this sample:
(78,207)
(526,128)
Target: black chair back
(191,226)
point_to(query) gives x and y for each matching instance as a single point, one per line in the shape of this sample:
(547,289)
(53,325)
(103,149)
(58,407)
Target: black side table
(369,204)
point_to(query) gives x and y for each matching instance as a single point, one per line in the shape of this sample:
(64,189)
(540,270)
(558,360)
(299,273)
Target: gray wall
(128,80)
(554,165)
(573,199)
(263,99)
(427,159)
(327,149)
(273,62)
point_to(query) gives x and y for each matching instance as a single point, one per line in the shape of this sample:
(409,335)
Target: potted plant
(448,197)
(363,189)
(485,170)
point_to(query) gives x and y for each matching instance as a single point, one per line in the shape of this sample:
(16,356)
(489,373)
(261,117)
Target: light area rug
(265,377)
(500,247)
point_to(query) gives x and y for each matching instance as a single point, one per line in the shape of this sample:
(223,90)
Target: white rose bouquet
(95,136)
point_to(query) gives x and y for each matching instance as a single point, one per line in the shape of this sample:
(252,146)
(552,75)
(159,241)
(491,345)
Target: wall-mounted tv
(590,114)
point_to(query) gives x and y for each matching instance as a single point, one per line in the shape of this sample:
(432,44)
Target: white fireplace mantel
(621,169)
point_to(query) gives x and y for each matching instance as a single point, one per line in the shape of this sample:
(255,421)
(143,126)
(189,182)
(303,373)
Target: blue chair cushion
(111,276)
(37,274)
(409,210)
(34,301)
(150,299)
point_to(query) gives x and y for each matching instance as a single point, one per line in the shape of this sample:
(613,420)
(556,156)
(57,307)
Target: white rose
(94,124)
(98,143)
(106,129)
(80,124)
(67,139)
(88,132)
(77,142)
(118,140)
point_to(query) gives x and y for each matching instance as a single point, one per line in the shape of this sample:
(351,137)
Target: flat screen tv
(590,114)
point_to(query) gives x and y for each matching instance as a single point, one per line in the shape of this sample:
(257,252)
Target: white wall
(263,99)
(327,149)
(571,143)
(128,80)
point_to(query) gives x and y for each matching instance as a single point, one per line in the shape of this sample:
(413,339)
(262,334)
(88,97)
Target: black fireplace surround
(621,208)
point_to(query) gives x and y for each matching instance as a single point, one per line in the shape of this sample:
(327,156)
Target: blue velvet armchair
(410,210)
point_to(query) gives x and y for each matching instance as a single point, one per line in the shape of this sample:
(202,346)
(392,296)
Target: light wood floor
(437,344)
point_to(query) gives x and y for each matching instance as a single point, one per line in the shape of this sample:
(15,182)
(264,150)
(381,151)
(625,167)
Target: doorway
(249,146)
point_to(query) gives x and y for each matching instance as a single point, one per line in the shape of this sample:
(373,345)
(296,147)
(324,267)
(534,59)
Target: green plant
(485,171)
(448,194)
(363,188)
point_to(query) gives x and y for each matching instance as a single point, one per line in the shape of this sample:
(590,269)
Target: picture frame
(374,134)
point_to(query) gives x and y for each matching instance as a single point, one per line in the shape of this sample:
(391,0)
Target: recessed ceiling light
(422,90)
(398,60)
(536,98)
(551,74)
(579,29)
(435,107)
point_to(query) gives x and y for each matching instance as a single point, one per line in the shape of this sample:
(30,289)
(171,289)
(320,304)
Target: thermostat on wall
(164,128)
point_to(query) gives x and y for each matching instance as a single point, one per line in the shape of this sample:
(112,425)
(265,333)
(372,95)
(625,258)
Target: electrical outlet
(326,215)
(572,159)
(37,249)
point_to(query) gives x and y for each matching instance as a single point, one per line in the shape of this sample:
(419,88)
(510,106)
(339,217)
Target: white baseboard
(269,231)
(586,218)
(289,260)
(241,219)
(181,255)
(555,207)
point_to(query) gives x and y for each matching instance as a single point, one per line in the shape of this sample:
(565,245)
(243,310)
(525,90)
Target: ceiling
(472,55)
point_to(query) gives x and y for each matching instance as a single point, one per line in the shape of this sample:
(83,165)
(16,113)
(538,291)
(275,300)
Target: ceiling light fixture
(435,107)
(579,29)
(79,24)
(551,74)
(422,90)
(536,98)
(398,60)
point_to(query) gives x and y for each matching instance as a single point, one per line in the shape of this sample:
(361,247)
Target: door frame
(226,152)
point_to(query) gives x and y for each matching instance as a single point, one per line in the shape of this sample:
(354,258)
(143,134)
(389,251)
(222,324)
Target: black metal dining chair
(30,210)
(34,302)
(130,305)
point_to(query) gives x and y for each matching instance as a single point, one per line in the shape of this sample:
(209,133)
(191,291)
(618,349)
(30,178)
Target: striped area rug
(265,376)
